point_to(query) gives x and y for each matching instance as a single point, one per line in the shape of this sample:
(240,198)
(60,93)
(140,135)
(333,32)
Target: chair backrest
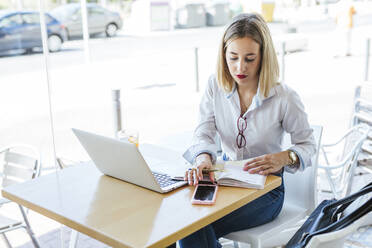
(362,111)
(362,108)
(301,187)
(354,140)
(19,163)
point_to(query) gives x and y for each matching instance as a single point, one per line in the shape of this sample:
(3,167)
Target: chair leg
(28,228)
(73,239)
(236,244)
(6,240)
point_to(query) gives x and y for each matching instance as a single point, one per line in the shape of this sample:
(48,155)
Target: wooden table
(122,214)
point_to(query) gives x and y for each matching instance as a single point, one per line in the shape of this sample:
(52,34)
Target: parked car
(21,30)
(100,20)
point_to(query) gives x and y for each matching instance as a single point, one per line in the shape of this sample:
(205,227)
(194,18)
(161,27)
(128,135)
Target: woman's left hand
(268,163)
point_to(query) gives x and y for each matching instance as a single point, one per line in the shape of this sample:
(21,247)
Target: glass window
(31,18)
(95,11)
(64,12)
(11,21)
(34,18)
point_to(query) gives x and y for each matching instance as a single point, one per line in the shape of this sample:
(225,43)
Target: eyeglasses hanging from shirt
(242,125)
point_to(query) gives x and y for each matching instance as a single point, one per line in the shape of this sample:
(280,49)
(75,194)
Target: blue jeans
(258,212)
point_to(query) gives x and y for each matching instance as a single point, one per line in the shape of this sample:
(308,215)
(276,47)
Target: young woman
(250,110)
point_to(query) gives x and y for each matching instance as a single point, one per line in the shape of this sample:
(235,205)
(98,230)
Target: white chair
(300,200)
(339,169)
(19,163)
(362,109)
(362,113)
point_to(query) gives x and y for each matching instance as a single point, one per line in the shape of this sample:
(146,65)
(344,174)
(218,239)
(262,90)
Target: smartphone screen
(205,193)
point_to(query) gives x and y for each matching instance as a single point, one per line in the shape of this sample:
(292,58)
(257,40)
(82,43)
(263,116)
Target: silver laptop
(124,161)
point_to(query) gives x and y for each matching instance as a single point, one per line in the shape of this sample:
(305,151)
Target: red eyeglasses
(242,125)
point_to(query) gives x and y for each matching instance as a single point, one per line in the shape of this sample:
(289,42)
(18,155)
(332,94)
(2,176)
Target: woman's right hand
(203,162)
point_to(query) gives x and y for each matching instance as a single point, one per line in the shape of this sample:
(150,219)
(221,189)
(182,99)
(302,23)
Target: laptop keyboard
(163,179)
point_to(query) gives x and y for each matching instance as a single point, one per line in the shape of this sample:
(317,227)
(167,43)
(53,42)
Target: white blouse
(267,120)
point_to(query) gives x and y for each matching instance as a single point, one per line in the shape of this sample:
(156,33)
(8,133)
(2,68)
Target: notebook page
(234,170)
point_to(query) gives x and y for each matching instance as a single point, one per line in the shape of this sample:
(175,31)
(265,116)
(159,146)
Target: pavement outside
(159,100)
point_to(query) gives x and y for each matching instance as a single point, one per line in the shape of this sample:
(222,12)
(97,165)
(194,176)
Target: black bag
(327,217)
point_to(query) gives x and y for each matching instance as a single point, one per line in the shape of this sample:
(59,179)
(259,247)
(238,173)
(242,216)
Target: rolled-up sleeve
(205,132)
(295,122)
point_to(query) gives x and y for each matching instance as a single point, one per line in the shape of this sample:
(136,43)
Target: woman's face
(243,59)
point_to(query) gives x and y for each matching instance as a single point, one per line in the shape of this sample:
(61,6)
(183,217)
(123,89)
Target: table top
(121,214)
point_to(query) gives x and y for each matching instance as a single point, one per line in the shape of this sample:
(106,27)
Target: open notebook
(231,174)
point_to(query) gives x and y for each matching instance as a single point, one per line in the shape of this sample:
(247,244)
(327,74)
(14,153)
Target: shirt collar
(229,94)
(258,98)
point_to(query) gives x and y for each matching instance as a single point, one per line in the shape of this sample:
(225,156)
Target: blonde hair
(254,26)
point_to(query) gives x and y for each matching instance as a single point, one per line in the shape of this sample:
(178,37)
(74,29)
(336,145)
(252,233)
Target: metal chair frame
(342,171)
(10,158)
(362,113)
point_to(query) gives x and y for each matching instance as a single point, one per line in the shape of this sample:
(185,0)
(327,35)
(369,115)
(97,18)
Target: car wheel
(54,43)
(111,30)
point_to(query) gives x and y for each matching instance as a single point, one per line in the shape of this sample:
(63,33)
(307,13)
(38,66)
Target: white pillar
(116,104)
(18,4)
(84,17)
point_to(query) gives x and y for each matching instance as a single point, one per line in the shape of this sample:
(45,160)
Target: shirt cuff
(195,150)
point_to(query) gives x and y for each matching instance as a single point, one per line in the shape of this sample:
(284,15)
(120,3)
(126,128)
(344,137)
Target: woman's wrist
(203,157)
(294,160)
(284,158)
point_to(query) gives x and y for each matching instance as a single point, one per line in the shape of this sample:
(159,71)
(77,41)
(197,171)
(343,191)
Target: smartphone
(205,194)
